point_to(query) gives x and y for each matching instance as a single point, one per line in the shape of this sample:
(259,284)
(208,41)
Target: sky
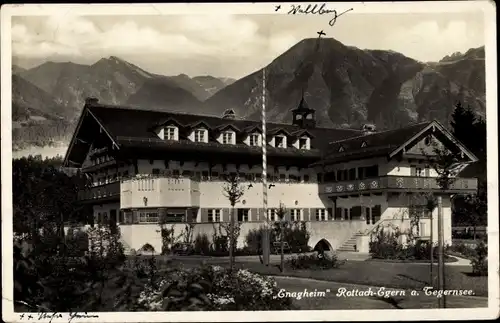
(226,45)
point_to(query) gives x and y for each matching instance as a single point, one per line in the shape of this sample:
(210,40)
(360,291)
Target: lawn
(372,273)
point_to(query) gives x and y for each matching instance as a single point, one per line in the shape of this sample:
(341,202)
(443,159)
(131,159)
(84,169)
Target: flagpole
(265,233)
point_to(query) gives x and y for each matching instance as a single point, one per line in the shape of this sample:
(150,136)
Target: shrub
(385,245)
(480,260)
(147,248)
(77,243)
(220,245)
(297,237)
(213,288)
(463,250)
(314,262)
(202,244)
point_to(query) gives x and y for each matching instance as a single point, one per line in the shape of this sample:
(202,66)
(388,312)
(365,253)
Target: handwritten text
(315,9)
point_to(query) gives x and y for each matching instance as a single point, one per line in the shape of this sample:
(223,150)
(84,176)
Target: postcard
(207,162)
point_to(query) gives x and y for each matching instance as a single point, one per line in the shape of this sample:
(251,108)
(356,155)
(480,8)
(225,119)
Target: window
(156,171)
(428,140)
(175,172)
(341,149)
(293,178)
(416,171)
(321,215)
(227,137)
(309,116)
(303,143)
(253,140)
(204,175)
(272,215)
(243,215)
(199,135)
(214,175)
(148,217)
(170,133)
(295,215)
(279,141)
(214,215)
(187,173)
(282,177)
(249,177)
(427,171)
(306,178)
(363,144)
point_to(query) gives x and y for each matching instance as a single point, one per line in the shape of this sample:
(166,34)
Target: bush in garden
(385,245)
(201,244)
(297,237)
(213,288)
(313,262)
(480,260)
(77,243)
(253,239)
(220,245)
(463,250)
(147,248)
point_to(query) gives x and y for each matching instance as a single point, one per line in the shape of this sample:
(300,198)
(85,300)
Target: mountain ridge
(346,85)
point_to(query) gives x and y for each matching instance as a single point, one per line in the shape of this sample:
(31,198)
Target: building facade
(149,167)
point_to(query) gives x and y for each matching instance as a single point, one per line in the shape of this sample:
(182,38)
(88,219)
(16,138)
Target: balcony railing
(106,191)
(397,184)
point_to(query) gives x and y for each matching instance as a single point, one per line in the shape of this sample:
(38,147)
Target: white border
(488,7)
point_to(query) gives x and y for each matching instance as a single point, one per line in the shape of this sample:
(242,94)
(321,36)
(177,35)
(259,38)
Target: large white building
(149,165)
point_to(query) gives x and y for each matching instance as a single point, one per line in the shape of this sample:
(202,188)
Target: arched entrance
(323,245)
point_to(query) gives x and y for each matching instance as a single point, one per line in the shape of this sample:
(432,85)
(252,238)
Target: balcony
(159,191)
(106,192)
(397,184)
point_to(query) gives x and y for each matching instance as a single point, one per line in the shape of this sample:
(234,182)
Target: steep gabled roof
(126,125)
(302,132)
(277,131)
(384,143)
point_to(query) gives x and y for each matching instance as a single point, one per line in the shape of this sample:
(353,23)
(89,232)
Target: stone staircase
(350,244)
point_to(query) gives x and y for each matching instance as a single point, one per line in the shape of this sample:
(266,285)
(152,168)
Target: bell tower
(303,116)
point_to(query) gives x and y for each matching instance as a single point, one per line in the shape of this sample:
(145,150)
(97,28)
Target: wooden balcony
(397,184)
(106,192)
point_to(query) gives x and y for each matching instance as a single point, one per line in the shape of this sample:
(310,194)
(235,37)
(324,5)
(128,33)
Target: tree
(233,191)
(463,126)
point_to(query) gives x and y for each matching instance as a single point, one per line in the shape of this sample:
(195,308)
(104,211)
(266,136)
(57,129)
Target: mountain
(112,80)
(348,87)
(17,69)
(164,93)
(37,119)
(466,69)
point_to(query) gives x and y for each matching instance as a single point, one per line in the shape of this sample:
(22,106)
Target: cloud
(428,40)
(185,35)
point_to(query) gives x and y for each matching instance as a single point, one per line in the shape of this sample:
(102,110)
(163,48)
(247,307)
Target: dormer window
(341,149)
(227,137)
(200,135)
(171,133)
(304,143)
(280,142)
(363,144)
(253,139)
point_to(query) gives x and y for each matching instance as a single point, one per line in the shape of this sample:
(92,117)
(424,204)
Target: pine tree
(463,126)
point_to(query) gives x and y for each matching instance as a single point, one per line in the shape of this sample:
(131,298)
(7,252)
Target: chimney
(91,101)
(369,128)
